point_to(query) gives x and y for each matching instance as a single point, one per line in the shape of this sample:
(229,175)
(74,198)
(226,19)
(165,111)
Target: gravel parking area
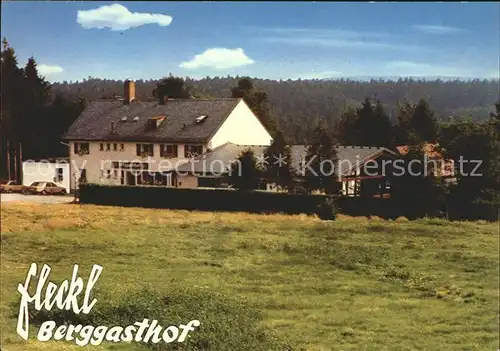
(44,199)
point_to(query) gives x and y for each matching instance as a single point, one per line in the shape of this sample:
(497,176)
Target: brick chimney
(129,92)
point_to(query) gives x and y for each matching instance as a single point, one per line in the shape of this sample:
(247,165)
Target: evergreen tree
(37,86)
(245,175)
(279,161)
(321,161)
(36,134)
(423,122)
(363,126)
(402,129)
(345,129)
(490,194)
(11,90)
(12,117)
(29,119)
(381,135)
(415,188)
(372,126)
(475,151)
(416,121)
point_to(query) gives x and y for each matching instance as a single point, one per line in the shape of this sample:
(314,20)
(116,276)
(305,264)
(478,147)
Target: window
(108,147)
(81,148)
(192,150)
(115,147)
(59,175)
(145,150)
(122,147)
(168,151)
(101,147)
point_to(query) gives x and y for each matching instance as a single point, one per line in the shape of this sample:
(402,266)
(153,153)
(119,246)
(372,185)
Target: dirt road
(45,199)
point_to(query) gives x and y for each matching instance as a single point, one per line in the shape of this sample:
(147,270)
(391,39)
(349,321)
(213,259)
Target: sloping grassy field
(352,284)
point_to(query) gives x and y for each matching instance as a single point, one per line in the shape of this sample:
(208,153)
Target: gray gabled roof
(219,159)
(179,126)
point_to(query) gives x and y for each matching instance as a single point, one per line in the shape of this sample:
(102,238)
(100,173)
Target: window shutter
(138,149)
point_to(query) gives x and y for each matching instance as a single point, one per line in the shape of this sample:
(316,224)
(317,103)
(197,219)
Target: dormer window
(201,119)
(155,122)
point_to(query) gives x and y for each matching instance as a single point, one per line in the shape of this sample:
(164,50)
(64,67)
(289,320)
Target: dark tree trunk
(15,163)
(8,159)
(20,179)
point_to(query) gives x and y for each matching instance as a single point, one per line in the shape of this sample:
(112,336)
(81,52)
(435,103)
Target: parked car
(44,188)
(11,186)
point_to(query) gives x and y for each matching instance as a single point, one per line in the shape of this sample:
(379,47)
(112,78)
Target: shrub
(226,324)
(327,210)
(200,199)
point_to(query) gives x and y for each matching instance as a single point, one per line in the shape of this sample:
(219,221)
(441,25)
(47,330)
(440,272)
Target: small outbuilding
(48,170)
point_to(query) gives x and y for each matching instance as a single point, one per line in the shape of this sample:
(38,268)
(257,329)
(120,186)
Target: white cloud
(117,17)
(334,38)
(337,43)
(44,69)
(218,58)
(434,29)
(322,32)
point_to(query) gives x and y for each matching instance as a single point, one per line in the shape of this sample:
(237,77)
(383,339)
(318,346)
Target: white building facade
(138,143)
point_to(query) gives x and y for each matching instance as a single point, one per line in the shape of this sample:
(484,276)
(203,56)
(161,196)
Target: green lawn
(352,284)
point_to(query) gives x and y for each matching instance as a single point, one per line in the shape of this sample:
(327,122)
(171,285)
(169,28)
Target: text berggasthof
(65,297)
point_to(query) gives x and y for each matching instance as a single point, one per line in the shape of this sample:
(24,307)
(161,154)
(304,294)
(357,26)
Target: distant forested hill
(297,102)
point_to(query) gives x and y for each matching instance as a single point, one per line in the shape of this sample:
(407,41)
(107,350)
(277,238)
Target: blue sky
(276,40)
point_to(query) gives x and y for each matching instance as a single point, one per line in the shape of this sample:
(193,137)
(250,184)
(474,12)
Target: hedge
(268,202)
(206,199)
(392,208)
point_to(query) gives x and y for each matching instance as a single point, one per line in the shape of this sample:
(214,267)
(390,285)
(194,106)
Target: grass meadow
(349,284)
